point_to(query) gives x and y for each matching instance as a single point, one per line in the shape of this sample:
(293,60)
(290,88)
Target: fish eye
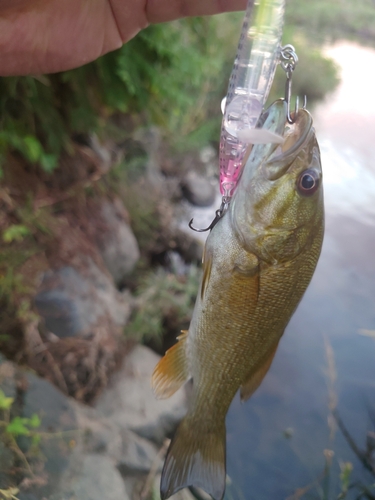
(308,182)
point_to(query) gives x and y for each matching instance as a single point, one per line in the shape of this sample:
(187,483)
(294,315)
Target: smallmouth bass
(258,261)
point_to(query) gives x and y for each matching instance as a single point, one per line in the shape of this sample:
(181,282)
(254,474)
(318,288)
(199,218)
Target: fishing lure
(249,85)
(259,52)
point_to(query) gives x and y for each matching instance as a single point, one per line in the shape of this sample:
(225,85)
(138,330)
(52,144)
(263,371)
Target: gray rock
(101,151)
(137,455)
(7,377)
(131,453)
(58,415)
(207,154)
(72,302)
(7,459)
(26,496)
(198,190)
(96,478)
(130,403)
(57,411)
(118,245)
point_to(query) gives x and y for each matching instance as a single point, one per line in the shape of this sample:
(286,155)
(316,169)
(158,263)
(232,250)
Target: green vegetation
(310,63)
(327,21)
(163,300)
(167,73)
(12,428)
(173,75)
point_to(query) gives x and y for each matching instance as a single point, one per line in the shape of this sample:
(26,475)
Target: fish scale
(258,261)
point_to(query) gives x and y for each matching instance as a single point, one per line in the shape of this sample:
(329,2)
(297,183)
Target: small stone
(198,190)
(118,245)
(207,154)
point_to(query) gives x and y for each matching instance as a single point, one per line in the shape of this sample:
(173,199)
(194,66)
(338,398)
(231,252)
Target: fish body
(258,261)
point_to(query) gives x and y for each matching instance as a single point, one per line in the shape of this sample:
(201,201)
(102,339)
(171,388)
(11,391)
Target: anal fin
(172,371)
(251,385)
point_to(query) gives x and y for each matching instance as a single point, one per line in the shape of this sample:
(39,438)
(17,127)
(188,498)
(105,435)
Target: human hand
(46,36)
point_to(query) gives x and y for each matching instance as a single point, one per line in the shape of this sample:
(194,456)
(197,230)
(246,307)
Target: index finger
(159,11)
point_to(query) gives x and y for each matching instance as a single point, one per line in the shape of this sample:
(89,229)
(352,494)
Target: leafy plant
(311,62)
(11,428)
(22,426)
(5,402)
(162,296)
(16,232)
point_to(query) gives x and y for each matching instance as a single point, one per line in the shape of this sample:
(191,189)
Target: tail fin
(196,457)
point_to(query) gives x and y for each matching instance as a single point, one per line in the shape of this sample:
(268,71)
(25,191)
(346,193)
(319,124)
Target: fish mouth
(296,137)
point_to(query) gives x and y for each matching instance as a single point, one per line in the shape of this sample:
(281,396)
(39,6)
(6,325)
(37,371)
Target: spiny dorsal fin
(255,379)
(172,371)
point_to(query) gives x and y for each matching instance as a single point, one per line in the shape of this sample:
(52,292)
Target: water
(277,440)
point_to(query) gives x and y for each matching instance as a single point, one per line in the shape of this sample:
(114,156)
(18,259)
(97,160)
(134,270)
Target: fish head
(277,208)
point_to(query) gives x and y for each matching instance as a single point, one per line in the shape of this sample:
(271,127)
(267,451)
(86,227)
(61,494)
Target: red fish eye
(308,182)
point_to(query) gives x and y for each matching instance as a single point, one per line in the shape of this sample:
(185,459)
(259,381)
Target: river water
(284,443)
(280,440)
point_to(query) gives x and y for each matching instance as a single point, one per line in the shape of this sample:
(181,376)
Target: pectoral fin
(255,379)
(172,371)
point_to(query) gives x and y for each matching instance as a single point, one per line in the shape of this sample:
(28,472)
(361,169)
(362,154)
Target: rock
(7,460)
(207,154)
(7,377)
(198,190)
(137,455)
(131,453)
(101,151)
(189,247)
(94,478)
(72,301)
(118,245)
(86,456)
(57,412)
(130,403)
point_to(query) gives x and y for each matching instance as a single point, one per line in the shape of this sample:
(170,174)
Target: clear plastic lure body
(249,85)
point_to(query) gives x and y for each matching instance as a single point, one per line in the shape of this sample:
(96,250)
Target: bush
(166,73)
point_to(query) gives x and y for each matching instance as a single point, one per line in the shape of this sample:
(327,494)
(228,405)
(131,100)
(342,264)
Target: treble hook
(288,53)
(218,215)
